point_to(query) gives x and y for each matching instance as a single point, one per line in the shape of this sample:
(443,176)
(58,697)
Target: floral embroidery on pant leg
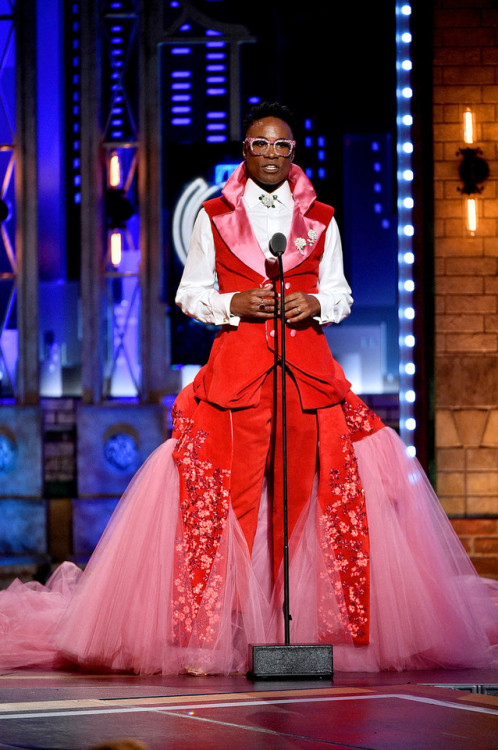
(346,528)
(204,505)
(183,602)
(360,419)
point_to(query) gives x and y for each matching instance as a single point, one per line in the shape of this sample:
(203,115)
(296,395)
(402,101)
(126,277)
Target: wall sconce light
(473,171)
(114,170)
(118,208)
(116,245)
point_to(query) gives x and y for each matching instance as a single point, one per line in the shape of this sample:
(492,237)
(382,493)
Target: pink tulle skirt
(131,609)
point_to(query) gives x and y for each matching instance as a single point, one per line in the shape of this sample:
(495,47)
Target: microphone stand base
(294,661)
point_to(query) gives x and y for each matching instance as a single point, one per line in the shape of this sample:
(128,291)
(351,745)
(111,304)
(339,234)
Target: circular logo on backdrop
(185,213)
(8,453)
(121,448)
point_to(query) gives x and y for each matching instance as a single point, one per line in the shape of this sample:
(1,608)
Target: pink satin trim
(235,228)
(236,231)
(300,227)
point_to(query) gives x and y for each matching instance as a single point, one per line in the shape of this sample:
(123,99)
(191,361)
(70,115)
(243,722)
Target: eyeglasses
(261,146)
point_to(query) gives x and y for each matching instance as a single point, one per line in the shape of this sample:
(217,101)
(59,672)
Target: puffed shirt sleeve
(197,295)
(334,292)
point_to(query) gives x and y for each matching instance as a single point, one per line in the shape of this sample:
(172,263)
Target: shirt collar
(253,192)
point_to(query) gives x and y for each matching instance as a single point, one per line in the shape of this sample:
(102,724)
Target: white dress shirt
(197,293)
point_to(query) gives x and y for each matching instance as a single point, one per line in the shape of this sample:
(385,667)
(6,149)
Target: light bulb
(468,126)
(114,170)
(115,248)
(472,214)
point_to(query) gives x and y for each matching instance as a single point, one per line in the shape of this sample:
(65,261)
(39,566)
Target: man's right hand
(254,303)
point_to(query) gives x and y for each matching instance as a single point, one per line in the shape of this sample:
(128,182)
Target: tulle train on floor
(132,609)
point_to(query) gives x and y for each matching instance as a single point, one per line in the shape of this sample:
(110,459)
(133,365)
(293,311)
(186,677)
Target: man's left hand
(299,306)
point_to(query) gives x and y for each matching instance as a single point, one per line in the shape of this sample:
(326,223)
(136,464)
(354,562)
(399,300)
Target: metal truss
(8,260)
(122,369)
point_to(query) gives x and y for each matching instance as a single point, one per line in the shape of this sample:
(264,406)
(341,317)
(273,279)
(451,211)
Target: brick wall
(466,284)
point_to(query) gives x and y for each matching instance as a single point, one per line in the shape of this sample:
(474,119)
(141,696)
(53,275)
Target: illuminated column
(123,258)
(406,257)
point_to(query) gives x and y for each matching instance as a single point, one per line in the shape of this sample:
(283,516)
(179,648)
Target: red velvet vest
(242,355)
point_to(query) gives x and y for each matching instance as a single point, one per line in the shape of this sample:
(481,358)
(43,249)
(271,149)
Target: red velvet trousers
(224,455)
(257,453)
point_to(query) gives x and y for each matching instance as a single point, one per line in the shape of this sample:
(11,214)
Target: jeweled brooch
(301,242)
(268,200)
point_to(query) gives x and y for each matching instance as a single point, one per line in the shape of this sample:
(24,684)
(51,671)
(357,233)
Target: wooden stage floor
(450,709)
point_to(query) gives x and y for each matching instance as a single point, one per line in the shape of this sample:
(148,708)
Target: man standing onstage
(237,394)
(188,572)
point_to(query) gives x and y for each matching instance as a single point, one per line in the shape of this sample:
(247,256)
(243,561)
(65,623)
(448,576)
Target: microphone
(278,244)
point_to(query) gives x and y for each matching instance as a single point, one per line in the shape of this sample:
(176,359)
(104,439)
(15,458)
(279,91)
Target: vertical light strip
(74,93)
(116,54)
(216,78)
(406,257)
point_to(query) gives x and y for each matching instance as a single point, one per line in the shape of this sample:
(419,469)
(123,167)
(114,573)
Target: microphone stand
(286,605)
(296,660)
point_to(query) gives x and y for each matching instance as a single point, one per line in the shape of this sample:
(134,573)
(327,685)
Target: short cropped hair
(269,109)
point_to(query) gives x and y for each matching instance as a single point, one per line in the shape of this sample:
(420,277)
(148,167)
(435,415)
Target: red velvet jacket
(240,359)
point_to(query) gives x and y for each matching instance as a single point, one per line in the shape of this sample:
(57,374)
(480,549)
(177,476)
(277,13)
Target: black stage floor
(454,709)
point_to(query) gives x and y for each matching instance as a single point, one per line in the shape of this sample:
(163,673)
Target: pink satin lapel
(300,228)
(233,190)
(235,228)
(303,191)
(236,232)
